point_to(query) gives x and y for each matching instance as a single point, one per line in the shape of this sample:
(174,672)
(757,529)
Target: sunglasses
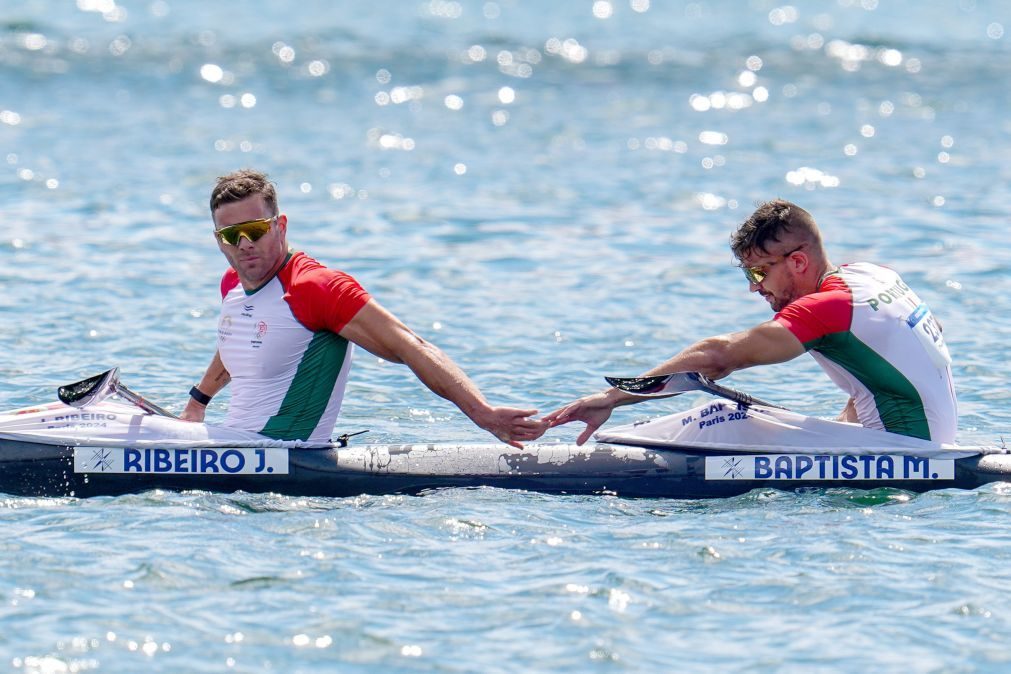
(253,230)
(758,274)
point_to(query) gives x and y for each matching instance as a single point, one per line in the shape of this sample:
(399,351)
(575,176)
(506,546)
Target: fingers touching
(515,425)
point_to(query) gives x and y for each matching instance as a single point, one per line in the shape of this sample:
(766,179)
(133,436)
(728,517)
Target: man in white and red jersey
(866,328)
(288,327)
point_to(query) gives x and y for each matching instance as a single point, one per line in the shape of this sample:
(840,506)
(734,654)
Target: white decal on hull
(193,461)
(821,467)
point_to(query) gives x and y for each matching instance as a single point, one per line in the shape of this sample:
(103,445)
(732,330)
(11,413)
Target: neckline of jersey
(273,276)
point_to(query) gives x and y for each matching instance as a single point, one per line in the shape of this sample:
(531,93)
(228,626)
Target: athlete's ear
(282,222)
(800,261)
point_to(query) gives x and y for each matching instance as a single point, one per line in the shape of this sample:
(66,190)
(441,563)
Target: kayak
(111,447)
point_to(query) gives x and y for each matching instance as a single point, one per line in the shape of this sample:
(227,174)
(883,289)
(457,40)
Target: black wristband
(200,396)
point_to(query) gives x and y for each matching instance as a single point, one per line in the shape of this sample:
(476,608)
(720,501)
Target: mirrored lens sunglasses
(758,274)
(755,274)
(251,229)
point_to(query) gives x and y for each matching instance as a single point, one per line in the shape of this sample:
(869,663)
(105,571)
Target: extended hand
(511,425)
(593,410)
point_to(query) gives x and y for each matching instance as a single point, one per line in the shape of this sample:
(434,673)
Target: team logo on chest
(259,334)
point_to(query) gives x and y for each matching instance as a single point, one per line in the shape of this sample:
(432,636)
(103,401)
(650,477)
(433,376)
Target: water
(534,189)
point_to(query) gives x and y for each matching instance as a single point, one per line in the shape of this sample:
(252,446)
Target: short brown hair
(242,184)
(770,222)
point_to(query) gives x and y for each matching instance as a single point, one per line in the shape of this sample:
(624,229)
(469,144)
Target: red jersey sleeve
(826,312)
(321,298)
(228,281)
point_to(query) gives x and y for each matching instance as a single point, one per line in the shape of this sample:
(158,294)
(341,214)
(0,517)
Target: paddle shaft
(733,394)
(142,403)
(677,383)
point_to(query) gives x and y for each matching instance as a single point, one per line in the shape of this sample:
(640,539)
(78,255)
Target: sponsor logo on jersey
(224,327)
(192,460)
(822,467)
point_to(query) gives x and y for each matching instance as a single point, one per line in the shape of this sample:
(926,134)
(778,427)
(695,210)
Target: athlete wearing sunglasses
(758,273)
(288,328)
(867,329)
(250,229)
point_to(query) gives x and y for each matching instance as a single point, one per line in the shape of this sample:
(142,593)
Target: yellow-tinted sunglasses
(758,274)
(251,229)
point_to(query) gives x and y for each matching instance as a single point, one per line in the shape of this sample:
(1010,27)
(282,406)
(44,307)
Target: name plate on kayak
(193,460)
(821,467)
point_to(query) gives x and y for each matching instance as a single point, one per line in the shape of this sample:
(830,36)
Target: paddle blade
(657,385)
(89,390)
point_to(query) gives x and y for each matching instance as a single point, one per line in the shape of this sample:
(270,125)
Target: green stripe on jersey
(899,404)
(310,390)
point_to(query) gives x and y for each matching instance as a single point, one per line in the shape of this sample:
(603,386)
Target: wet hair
(771,222)
(240,185)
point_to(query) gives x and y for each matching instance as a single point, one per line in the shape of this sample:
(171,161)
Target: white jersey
(879,342)
(280,344)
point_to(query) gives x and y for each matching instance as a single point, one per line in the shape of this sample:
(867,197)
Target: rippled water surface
(546,191)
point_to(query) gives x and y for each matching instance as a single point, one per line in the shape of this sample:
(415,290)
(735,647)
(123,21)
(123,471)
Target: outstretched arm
(215,378)
(381,333)
(715,357)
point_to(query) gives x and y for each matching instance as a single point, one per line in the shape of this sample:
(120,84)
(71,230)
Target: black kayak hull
(33,469)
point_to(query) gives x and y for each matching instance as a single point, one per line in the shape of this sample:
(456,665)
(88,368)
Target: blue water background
(539,189)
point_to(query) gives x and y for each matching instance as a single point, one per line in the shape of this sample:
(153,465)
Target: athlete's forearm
(718,356)
(445,378)
(215,378)
(712,357)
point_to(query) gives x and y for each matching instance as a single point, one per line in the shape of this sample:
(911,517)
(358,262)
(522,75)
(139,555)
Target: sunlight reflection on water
(546,191)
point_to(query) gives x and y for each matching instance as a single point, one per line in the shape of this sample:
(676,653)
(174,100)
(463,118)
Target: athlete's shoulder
(229,280)
(866,269)
(828,310)
(302,272)
(301,262)
(321,297)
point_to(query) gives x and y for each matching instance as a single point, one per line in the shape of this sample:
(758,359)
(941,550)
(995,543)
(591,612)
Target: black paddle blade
(642,386)
(85,391)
